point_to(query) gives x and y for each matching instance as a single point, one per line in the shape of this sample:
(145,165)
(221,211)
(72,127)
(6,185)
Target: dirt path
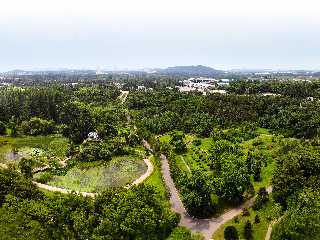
(145,175)
(206,227)
(187,166)
(62,190)
(123,96)
(269,232)
(268,235)
(2,165)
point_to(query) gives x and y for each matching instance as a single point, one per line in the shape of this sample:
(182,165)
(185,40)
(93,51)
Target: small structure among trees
(93,136)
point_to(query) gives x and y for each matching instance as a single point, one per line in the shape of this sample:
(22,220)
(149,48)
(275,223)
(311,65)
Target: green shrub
(248,230)
(197,142)
(257,219)
(183,233)
(2,128)
(261,199)
(44,177)
(231,233)
(37,126)
(94,151)
(245,212)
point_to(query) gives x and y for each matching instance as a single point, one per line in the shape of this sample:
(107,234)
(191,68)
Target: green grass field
(118,172)
(268,213)
(156,180)
(264,143)
(52,145)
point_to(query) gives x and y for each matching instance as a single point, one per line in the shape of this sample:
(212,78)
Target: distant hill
(49,72)
(316,74)
(190,70)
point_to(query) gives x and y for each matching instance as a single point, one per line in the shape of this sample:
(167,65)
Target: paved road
(205,226)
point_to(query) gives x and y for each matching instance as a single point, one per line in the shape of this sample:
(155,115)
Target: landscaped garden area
(99,176)
(262,144)
(256,222)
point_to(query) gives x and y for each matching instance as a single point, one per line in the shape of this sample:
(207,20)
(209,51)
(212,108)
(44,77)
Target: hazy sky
(111,34)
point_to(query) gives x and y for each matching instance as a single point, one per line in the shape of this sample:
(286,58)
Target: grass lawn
(118,172)
(266,215)
(266,176)
(165,138)
(52,145)
(156,180)
(191,156)
(265,144)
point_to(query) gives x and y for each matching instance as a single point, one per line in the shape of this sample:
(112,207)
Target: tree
(231,233)
(15,184)
(25,166)
(257,171)
(301,221)
(178,141)
(94,151)
(16,224)
(37,126)
(234,179)
(2,128)
(296,167)
(247,230)
(133,214)
(257,219)
(261,199)
(78,119)
(13,126)
(197,196)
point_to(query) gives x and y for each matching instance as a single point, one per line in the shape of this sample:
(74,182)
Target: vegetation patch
(259,221)
(118,172)
(13,149)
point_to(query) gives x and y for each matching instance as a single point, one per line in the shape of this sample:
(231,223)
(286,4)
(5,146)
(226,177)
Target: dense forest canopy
(222,149)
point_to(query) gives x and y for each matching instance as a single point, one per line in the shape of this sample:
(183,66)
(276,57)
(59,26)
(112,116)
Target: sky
(133,34)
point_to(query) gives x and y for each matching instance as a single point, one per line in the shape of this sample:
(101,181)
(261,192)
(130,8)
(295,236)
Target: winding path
(93,194)
(145,175)
(206,227)
(123,96)
(269,232)
(62,190)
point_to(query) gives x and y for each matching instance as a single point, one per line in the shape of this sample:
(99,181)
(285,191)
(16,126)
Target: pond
(120,171)
(14,155)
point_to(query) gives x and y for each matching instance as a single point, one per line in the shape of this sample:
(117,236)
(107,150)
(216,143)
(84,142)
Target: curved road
(205,226)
